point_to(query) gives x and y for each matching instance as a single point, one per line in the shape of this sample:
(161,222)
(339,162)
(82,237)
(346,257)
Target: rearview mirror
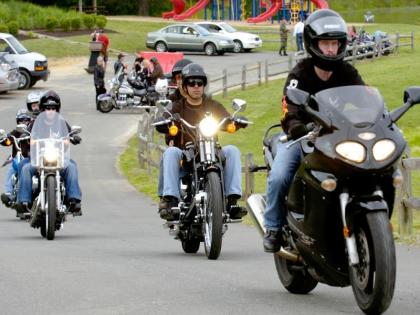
(297,97)
(165,103)
(2,132)
(412,94)
(22,128)
(238,104)
(76,129)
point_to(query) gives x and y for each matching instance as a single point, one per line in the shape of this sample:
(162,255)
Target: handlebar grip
(285,138)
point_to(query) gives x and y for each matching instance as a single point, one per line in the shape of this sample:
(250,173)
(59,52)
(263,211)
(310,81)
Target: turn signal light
(329,184)
(346,232)
(231,128)
(173,130)
(7,142)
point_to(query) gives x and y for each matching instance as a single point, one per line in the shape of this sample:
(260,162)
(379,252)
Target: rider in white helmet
(32,102)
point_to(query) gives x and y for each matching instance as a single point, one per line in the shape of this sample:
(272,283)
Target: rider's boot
(235,211)
(75,207)
(273,240)
(6,198)
(23,210)
(165,208)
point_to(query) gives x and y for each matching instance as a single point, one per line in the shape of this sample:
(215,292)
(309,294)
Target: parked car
(243,41)
(188,37)
(32,66)
(9,74)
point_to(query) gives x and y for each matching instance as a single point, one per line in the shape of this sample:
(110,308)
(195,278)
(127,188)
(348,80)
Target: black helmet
(50,98)
(179,65)
(193,70)
(325,24)
(23,115)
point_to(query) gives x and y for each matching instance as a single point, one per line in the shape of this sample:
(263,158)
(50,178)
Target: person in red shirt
(99,36)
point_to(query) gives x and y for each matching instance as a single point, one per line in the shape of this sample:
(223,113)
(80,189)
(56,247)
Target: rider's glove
(76,140)
(298,131)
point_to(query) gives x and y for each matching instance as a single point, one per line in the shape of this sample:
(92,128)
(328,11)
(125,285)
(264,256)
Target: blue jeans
(170,172)
(8,185)
(299,41)
(283,170)
(69,174)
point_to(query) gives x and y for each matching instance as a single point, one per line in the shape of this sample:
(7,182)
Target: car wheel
(210,49)
(238,46)
(161,47)
(24,80)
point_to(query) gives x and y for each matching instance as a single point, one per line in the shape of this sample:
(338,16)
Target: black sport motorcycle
(341,198)
(201,213)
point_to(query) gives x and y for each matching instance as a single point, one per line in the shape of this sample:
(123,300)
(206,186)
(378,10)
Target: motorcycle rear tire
(373,279)
(105,107)
(50,215)
(295,281)
(213,222)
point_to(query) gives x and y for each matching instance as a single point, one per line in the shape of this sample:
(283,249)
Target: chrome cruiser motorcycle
(122,95)
(50,154)
(341,198)
(201,212)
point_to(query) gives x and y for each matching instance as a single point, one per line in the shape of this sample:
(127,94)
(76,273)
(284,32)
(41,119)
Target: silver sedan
(188,37)
(9,74)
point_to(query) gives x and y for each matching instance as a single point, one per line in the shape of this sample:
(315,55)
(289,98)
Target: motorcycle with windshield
(50,154)
(202,214)
(339,204)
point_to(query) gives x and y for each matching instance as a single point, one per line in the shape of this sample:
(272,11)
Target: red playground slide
(201,4)
(276,5)
(178,8)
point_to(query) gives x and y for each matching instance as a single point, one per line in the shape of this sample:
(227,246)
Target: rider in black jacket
(325,37)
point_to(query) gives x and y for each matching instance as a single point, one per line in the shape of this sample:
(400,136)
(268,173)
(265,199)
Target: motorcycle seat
(140,93)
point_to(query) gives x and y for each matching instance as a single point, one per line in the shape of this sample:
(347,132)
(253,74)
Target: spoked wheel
(373,279)
(294,277)
(105,106)
(50,214)
(213,221)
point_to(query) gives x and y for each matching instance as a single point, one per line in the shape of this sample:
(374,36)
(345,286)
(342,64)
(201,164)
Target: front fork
(349,237)
(43,191)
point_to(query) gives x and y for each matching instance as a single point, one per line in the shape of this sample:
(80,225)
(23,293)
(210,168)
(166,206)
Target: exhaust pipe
(256,204)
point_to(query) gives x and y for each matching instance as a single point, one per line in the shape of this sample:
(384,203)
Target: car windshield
(228,28)
(202,30)
(17,45)
(358,104)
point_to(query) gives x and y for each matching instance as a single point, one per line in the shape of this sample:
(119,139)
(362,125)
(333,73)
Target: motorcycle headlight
(352,151)
(51,156)
(383,149)
(208,127)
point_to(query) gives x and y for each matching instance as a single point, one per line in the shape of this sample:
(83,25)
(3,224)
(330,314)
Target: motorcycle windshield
(50,145)
(358,105)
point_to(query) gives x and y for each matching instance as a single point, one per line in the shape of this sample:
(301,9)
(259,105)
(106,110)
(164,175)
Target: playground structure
(291,10)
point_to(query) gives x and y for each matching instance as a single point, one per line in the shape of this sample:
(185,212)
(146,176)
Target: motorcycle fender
(377,204)
(104,97)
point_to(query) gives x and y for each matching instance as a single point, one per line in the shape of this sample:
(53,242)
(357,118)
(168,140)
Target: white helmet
(162,86)
(33,97)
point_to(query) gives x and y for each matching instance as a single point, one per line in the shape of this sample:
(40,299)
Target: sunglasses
(25,120)
(50,108)
(195,82)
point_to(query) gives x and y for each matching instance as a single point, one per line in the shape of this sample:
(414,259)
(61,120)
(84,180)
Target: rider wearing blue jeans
(325,36)
(50,101)
(192,108)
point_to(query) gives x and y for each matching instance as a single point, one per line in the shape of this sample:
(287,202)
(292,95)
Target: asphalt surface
(117,258)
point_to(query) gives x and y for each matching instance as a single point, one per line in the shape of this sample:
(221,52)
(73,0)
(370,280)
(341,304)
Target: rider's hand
(76,140)
(298,131)
(240,125)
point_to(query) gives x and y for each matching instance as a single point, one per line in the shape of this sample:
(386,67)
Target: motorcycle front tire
(105,106)
(213,221)
(50,215)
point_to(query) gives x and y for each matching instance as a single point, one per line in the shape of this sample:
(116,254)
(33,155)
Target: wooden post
(266,71)
(397,42)
(259,73)
(243,84)
(412,40)
(224,83)
(95,7)
(81,6)
(249,177)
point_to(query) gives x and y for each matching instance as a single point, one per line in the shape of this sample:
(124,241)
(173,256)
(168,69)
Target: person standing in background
(99,36)
(298,33)
(283,37)
(99,78)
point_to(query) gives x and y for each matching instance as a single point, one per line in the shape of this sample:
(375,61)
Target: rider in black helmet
(325,36)
(50,99)
(177,78)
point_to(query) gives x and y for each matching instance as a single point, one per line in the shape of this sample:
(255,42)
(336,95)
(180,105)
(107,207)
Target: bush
(76,23)
(65,24)
(4,28)
(51,23)
(25,22)
(13,27)
(89,21)
(101,21)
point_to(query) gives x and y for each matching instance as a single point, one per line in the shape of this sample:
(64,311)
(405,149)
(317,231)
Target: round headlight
(208,127)
(383,149)
(352,151)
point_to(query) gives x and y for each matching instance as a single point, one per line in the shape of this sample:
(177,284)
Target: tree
(144,7)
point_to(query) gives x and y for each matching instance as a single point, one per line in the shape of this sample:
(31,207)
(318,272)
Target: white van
(32,66)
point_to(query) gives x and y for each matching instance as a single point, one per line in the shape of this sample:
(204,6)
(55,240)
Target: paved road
(117,259)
